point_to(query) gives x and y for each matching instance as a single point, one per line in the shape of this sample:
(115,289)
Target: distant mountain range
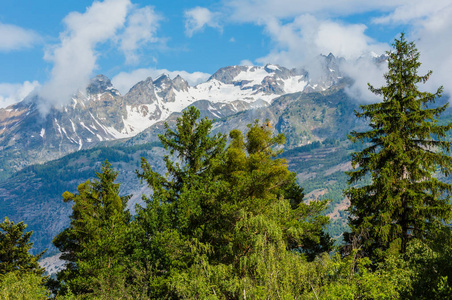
(100,113)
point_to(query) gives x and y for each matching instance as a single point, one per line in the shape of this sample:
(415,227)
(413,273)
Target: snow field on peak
(253,74)
(294,84)
(272,67)
(138,119)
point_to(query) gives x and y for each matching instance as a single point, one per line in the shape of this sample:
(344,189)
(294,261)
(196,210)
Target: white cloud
(142,25)
(246,62)
(13,37)
(300,30)
(413,10)
(431,24)
(364,71)
(348,41)
(74,59)
(432,38)
(11,93)
(199,17)
(298,42)
(125,80)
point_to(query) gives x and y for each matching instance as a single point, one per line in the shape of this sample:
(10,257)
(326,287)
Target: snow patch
(294,84)
(86,127)
(272,67)
(253,74)
(58,126)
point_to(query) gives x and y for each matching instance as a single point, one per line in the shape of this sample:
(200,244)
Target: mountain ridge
(101,113)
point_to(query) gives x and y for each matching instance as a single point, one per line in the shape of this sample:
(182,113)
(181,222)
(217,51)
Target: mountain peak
(163,79)
(180,84)
(142,92)
(99,84)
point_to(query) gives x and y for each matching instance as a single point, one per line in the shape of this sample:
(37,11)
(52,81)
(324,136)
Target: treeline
(228,220)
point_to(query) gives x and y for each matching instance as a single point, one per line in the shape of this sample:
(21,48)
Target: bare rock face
(141,93)
(271,85)
(165,88)
(99,85)
(227,74)
(180,84)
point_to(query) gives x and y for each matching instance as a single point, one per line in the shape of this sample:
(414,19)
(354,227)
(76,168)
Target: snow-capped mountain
(151,101)
(101,113)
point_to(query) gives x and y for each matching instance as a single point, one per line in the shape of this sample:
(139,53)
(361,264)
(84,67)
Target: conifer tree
(95,243)
(15,246)
(405,147)
(194,148)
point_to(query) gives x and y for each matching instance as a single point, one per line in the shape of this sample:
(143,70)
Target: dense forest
(228,219)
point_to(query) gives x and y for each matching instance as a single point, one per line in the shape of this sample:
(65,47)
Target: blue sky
(55,46)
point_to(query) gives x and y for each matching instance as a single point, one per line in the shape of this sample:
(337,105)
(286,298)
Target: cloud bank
(431,23)
(299,30)
(74,59)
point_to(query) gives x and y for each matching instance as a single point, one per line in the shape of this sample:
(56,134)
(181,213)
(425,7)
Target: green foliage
(15,246)
(404,201)
(96,241)
(355,278)
(226,223)
(195,151)
(23,286)
(430,268)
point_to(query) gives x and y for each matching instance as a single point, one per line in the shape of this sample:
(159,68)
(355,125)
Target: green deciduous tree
(15,249)
(95,244)
(405,148)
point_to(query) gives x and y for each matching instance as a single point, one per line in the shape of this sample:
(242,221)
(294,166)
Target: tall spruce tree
(405,148)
